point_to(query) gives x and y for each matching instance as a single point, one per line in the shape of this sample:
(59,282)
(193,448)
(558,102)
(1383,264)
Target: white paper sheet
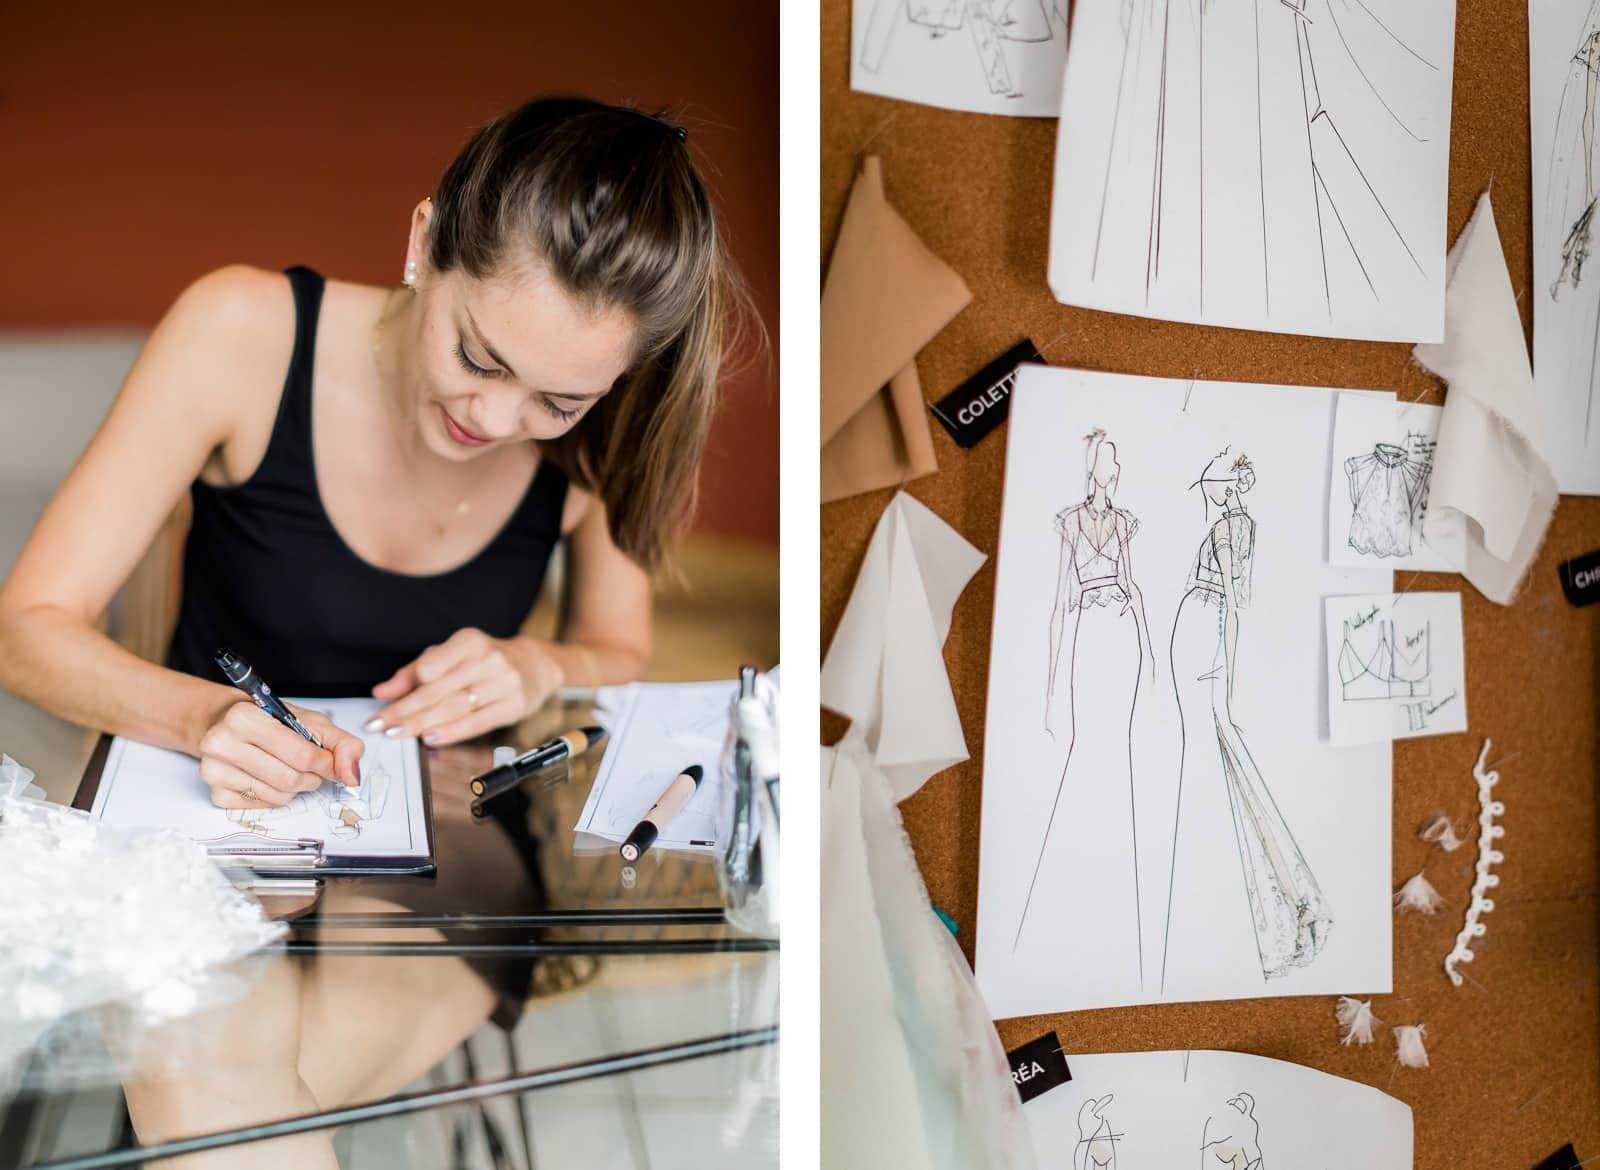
(1563,72)
(982,56)
(653,732)
(1382,468)
(1215,1111)
(1396,666)
(1103,841)
(1263,164)
(150,788)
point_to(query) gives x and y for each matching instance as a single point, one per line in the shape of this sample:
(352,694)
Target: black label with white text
(1580,579)
(1038,1066)
(981,403)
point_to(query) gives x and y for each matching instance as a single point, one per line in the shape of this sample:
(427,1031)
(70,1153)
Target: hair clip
(678,132)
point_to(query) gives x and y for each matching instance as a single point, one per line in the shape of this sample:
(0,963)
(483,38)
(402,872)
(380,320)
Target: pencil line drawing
(1565,234)
(992,24)
(1290,920)
(1329,90)
(1389,495)
(1387,669)
(1098,612)
(1231,1136)
(1097,1141)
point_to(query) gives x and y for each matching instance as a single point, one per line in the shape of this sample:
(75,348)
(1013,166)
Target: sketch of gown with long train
(1263,188)
(1098,675)
(1223,801)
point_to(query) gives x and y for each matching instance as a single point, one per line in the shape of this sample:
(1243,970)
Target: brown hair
(608,199)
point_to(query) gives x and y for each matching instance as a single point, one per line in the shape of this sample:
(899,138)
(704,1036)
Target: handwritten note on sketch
(1216,1111)
(1396,667)
(1564,70)
(1276,165)
(1155,777)
(982,56)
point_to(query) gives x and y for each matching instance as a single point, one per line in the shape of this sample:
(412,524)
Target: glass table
(629,1024)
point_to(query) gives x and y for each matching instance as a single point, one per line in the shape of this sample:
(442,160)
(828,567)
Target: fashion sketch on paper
(990,23)
(1097,1142)
(1373,664)
(1223,800)
(1231,1137)
(1253,155)
(1099,645)
(1389,495)
(1571,190)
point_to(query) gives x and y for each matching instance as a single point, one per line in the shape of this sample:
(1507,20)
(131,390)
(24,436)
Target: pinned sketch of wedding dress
(1097,1142)
(1231,1137)
(1389,491)
(1223,799)
(1099,645)
(991,23)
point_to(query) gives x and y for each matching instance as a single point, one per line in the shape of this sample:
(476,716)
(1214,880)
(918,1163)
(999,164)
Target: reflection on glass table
(531,1003)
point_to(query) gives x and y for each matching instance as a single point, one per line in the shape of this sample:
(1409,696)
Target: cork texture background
(1516,1052)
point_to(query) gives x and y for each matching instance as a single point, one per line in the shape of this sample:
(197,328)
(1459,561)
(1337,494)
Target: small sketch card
(1214,1109)
(1382,465)
(993,57)
(1274,165)
(1396,667)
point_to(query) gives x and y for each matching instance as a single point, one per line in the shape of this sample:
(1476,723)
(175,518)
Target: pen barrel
(495,780)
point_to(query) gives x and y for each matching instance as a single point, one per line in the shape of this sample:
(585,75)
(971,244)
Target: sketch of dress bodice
(1389,490)
(1383,669)
(1234,530)
(1096,565)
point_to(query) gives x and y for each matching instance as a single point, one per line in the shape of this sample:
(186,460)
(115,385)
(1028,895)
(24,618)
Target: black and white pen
(242,675)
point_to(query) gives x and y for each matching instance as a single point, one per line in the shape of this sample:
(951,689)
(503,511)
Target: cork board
(1516,1053)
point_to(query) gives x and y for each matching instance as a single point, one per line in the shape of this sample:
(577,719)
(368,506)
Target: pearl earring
(411,272)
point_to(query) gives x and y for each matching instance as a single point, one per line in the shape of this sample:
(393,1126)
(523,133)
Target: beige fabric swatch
(885,297)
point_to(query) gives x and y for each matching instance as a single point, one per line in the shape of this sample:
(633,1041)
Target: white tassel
(1408,1045)
(1355,1020)
(1441,832)
(1418,894)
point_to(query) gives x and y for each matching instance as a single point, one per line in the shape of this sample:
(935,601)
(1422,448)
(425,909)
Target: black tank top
(266,574)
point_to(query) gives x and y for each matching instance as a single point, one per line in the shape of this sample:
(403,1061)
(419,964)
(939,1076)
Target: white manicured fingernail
(430,739)
(373,724)
(394,732)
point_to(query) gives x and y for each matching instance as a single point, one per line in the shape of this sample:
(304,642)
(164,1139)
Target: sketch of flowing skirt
(1076,894)
(1233,856)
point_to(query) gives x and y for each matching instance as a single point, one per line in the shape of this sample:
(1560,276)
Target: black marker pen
(242,675)
(684,785)
(508,775)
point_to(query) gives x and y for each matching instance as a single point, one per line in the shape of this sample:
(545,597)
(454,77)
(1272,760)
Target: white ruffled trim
(1488,833)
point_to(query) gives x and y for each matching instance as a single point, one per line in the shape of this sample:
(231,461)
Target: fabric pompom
(1418,894)
(1355,1020)
(1408,1045)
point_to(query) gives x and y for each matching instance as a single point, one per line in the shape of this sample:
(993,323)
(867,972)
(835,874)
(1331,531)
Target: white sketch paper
(1396,667)
(1262,164)
(1382,467)
(1564,71)
(653,732)
(982,56)
(1214,1111)
(150,787)
(1163,818)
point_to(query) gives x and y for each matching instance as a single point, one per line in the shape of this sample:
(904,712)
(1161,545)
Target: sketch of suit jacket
(991,23)
(1389,491)
(1386,670)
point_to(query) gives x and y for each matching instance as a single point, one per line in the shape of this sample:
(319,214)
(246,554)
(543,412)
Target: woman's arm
(176,415)
(605,632)
(175,411)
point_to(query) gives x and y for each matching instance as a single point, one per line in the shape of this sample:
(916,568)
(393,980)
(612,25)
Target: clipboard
(304,858)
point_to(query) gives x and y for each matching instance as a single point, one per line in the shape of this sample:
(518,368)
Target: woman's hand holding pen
(465,686)
(250,760)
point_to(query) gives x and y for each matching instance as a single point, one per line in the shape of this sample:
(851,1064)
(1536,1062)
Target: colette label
(981,403)
(1580,579)
(1038,1066)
